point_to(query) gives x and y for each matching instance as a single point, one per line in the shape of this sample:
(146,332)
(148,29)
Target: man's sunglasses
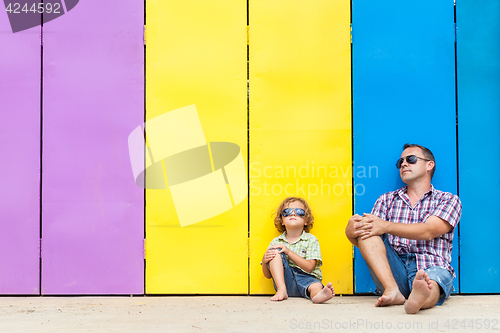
(411,159)
(298,211)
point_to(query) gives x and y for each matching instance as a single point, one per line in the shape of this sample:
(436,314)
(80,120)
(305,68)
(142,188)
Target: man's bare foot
(325,294)
(422,286)
(391,297)
(280,295)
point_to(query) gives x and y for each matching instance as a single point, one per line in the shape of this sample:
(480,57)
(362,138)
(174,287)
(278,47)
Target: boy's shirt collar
(283,237)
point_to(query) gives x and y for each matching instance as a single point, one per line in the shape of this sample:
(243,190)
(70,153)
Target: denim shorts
(404,268)
(296,280)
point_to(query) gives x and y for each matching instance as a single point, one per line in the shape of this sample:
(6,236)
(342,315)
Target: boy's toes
(279,296)
(324,295)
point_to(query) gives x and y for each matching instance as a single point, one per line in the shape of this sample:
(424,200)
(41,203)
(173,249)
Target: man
(407,239)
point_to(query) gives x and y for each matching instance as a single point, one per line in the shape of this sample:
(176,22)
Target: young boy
(293,259)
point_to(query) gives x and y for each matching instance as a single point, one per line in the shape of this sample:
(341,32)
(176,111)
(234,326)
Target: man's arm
(374,226)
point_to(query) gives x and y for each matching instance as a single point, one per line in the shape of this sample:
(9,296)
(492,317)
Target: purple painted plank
(93,224)
(19,159)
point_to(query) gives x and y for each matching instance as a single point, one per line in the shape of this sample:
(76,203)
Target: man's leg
(431,286)
(375,255)
(424,295)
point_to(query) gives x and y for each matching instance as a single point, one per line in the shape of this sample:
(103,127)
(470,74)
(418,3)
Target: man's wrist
(387,227)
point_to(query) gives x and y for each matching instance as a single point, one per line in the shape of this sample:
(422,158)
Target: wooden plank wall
(236,105)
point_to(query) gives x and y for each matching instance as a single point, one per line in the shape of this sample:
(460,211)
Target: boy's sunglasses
(298,211)
(411,159)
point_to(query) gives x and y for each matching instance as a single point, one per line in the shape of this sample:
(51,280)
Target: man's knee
(354,241)
(371,242)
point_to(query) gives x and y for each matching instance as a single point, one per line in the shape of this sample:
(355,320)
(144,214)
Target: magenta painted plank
(93,225)
(19,159)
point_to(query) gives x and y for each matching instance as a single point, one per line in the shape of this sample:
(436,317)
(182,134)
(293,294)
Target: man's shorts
(404,268)
(296,280)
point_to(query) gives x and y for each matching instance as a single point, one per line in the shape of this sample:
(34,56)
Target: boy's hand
(281,248)
(269,255)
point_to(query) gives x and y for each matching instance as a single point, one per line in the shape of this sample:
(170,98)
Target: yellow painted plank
(196,56)
(300,126)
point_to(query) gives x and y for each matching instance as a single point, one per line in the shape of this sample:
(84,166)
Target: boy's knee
(282,258)
(282,255)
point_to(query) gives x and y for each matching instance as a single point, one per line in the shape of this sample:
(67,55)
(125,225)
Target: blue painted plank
(478,62)
(403,91)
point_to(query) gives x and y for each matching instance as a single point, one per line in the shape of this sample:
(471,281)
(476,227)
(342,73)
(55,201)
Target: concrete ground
(241,314)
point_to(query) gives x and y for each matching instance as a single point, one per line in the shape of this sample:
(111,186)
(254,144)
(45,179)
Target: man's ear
(430,165)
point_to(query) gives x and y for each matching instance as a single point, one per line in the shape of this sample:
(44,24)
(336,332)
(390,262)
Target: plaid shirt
(306,246)
(395,207)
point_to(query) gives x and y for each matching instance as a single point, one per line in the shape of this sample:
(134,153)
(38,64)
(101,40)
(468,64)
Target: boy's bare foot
(325,294)
(422,286)
(391,297)
(279,296)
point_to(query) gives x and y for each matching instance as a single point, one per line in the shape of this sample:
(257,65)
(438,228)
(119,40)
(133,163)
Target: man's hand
(349,230)
(370,225)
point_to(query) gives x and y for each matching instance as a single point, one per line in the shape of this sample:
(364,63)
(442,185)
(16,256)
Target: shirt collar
(283,237)
(430,191)
(402,192)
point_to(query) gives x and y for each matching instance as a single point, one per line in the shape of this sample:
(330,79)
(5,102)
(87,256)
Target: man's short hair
(427,154)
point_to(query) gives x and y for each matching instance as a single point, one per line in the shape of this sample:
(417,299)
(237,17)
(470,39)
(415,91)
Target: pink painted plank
(19,159)
(93,224)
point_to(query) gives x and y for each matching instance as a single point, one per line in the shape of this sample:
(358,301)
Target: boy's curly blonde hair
(278,219)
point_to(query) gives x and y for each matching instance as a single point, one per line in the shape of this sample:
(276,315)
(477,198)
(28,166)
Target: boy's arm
(305,264)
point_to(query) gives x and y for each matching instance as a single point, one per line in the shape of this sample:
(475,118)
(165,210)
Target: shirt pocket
(424,215)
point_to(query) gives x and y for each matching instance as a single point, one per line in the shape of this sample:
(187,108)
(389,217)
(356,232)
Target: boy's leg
(375,254)
(283,278)
(278,273)
(309,286)
(320,294)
